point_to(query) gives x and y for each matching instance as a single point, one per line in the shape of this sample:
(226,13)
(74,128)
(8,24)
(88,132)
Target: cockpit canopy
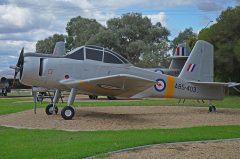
(96,53)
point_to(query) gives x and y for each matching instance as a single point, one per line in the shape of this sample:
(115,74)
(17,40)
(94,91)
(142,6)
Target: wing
(122,85)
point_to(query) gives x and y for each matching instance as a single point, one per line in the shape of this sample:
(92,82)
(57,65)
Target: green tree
(105,38)
(80,30)
(156,56)
(131,35)
(135,34)
(187,36)
(225,36)
(47,45)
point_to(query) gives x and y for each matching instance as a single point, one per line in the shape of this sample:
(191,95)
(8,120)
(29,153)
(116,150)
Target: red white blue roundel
(160,85)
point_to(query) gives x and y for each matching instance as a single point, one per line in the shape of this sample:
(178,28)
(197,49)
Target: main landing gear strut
(211,108)
(68,111)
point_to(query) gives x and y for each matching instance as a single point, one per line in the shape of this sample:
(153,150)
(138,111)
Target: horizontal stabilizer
(178,57)
(215,84)
(123,85)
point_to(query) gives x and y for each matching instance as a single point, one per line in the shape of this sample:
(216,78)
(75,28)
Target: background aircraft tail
(180,57)
(199,65)
(59,49)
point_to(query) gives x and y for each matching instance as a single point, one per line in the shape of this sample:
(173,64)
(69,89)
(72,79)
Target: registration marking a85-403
(184,87)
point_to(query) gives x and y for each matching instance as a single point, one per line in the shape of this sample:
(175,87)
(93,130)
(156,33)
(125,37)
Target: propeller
(19,65)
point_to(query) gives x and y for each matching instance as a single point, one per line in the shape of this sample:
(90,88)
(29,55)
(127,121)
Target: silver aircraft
(96,70)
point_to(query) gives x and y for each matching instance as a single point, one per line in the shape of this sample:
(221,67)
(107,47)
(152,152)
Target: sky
(24,22)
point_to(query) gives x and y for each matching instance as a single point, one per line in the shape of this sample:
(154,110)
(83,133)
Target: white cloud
(19,19)
(113,4)
(13,17)
(31,36)
(160,17)
(10,51)
(89,10)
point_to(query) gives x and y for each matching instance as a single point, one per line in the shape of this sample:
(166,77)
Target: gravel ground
(119,118)
(196,150)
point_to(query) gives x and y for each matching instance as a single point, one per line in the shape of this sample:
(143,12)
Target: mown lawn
(24,143)
(12,105)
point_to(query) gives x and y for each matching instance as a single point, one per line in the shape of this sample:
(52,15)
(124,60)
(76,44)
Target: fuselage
(47,71)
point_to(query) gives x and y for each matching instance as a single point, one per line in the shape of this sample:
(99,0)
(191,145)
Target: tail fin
(59,49)
(180,57)
(199,65)
(182,50)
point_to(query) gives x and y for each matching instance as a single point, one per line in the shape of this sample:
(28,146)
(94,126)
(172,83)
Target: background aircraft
(96,70)
(7,82)
(177,61)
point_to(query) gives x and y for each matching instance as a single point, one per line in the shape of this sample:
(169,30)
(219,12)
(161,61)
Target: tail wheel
(67,113)
(49,109)
(212,108)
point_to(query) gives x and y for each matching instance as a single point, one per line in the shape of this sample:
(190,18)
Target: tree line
(147,45)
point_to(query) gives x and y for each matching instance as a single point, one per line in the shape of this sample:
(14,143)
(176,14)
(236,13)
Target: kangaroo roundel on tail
(199,65)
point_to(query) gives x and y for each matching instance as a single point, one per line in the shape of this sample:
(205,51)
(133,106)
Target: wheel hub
(68,113)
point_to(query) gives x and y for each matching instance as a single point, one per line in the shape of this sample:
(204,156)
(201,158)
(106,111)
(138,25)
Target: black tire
(214,109)
(93,97)
(67,113)
(210,109)
(90,97)
(111,98)
(49,110)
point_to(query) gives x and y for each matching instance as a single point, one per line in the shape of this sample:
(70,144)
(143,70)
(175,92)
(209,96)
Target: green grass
(12,105)
(23,143)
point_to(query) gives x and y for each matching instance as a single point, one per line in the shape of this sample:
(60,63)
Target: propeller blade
(19,65)
(20,59)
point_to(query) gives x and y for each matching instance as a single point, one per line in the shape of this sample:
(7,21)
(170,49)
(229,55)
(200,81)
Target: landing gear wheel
(49,109)
(212,108)
(111,98)
(67,113)
(93,97)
